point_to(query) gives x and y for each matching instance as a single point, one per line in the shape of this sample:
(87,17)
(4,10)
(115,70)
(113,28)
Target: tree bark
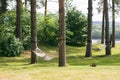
(89,36)
(45,7)
(107,41)
(62,35)
(18,20)
(103,29)
(33,32)
(113,23)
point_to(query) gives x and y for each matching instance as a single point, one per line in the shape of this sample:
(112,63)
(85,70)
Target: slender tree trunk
(89,38)
(107,41)
(45,19)
(18,20)
(113,23)
(33,32)
(103,29)
(45,7)
(62,35)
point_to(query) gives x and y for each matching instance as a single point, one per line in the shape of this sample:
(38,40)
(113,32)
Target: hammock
(39,52)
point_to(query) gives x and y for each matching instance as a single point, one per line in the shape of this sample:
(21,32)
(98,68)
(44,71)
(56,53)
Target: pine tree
(62,35)
(89,38)
(33,32)
(107,41)
(18,19)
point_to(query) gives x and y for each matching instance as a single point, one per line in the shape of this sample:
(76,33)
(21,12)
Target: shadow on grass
(104,60)
(13,61)
(71,61)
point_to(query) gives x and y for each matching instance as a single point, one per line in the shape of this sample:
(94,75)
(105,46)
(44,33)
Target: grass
(78,67)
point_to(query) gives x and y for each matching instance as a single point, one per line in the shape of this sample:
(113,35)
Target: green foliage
(68,5)
(3,6)
(25,21)
(7,23)
(8,43)
(76,23)
(48,31)
(10,46)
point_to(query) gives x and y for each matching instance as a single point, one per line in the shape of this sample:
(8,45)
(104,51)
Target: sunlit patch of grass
(64,73)
(98,57)
(78,66)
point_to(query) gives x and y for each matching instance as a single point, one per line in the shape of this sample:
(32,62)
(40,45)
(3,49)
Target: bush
(76,24)
(26,43)
(25,21)
(10,47)
(48,31)
(8,26)
(7,23)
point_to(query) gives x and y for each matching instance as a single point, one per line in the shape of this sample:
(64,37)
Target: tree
(103,27)
(101,9)
(62,35)
(18,19)
(89,39)
(107,41)
(33,32)
(103,30)
(113,23)
(45,7)
(115,3)
(76,26)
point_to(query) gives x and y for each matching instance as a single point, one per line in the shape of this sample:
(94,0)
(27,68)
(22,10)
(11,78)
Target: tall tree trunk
(18,20)
(45,7)
(113,23)
(107,41)
(33,32)
(103,29)
(89,38)
(45,13)
(62,35)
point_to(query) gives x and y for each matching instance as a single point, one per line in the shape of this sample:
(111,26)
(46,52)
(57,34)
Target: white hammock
(39,52)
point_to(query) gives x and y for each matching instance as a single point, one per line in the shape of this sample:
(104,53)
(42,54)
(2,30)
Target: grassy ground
(78,67)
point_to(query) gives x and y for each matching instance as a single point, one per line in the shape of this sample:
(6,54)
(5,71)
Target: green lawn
(78,67)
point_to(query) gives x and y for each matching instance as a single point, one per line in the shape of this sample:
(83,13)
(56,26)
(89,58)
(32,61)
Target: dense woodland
(23,29)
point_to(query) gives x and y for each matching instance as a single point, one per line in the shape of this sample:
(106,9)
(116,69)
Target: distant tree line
(97,30)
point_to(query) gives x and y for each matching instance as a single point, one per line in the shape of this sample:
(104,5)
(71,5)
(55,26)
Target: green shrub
(7,23)
(48,31)
(10,47)
(25,21)
(8,26)
(26,43)
(76,25)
